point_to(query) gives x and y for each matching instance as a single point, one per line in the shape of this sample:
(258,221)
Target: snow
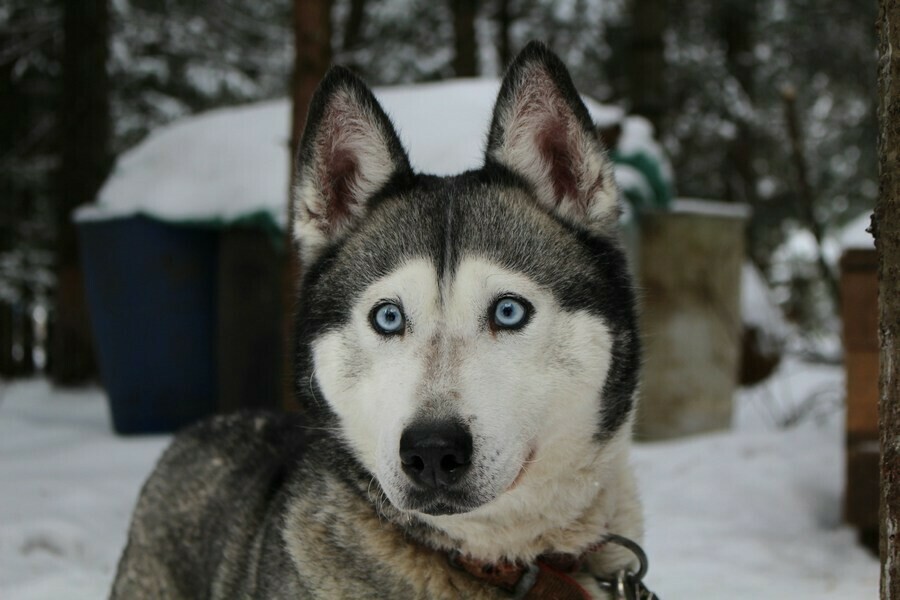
(231,163)
(854,234)
(746,514)
(638,137)
(711,208)
(219,166)
(68,487)
(800,246)
(759,309)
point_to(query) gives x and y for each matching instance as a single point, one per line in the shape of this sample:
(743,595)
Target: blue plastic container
(151,291)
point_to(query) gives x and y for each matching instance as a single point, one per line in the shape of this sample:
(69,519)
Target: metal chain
(626,585)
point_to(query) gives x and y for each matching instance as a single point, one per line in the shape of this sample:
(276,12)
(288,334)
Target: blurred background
(763,102)
(145,152)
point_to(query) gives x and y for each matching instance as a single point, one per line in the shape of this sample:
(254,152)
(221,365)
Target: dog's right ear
(349,152)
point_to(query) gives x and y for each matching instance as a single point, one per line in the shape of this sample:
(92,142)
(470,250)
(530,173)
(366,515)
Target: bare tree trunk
(886,228)
(647,86)
(351,36)
(353,25)
(312,57)
(86,160)
(737,22)
(805,190)
(465,57)
(312,46)
(504,19)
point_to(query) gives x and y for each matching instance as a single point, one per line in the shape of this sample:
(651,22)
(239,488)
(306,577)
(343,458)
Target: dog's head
(456,332)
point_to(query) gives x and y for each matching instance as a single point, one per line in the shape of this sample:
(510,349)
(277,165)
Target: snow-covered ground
(747,514)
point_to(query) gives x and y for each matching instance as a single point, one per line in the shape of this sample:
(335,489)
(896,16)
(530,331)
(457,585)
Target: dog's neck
(551,576)
(549,511)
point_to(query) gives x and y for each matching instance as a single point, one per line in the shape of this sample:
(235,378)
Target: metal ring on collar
(635,549)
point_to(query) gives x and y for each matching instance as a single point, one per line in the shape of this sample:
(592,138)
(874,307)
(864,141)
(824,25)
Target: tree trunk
(737,22)
(886,228)
(647,87)
(312,57)
(86,160)
(805,192)
(504,19)
(465,44)
(351,36)
(353,25)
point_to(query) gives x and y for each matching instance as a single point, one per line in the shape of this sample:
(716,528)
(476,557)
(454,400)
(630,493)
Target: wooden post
(886,230)
(859,313)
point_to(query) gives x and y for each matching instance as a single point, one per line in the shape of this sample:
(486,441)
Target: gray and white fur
(467,428)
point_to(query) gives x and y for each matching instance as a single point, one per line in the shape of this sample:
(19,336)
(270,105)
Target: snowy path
(748,514)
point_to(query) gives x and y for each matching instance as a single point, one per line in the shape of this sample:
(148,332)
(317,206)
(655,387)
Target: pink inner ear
(338,165)
(559,152)
(542,120)
(337,173)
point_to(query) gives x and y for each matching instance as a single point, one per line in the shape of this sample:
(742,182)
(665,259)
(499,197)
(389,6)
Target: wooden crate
(859,312)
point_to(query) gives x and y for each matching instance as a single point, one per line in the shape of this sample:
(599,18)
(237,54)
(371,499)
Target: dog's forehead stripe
(477,214)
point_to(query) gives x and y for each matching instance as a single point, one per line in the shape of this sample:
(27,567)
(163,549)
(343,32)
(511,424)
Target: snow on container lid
(218,167)
(854,234)
(231,165)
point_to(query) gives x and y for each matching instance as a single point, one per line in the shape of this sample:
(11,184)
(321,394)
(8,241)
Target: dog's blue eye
(510,313)
(387,319)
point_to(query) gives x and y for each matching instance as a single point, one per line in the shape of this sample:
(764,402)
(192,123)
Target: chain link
(626,585)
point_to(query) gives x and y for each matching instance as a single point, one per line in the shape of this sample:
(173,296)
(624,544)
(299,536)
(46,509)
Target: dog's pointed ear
(348,153)
(542,131)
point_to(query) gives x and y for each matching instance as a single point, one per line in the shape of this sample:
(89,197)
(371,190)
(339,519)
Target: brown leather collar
(549,578)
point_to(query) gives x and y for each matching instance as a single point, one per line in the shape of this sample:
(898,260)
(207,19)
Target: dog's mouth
(525,463)
(456,501)
(438,509)
(441,503)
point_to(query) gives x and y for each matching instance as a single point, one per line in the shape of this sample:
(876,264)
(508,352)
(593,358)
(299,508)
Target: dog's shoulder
(245,433)
(243,445)
(215,487)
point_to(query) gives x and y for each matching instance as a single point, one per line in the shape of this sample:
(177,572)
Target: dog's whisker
(328,429)
(312,389)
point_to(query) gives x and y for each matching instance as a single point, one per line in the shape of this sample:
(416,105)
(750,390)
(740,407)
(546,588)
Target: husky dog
(467,359)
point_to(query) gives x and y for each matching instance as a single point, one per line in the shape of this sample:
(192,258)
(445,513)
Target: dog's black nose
(436,455)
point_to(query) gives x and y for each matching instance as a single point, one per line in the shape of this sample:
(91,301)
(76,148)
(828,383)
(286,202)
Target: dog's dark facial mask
(470,340)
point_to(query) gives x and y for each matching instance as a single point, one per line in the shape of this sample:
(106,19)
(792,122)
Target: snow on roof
(854,234)
(227,164)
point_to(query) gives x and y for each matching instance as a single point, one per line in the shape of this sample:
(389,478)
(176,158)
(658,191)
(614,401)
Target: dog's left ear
(542,131)
(348,153)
